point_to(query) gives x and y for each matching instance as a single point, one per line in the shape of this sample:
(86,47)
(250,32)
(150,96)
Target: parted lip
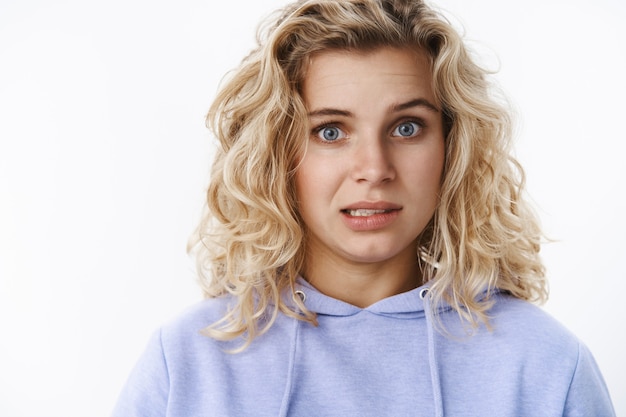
(372,205)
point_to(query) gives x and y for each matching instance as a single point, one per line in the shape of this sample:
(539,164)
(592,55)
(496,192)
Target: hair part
(250,242)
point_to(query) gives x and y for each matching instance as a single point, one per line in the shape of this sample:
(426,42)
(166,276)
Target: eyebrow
(330,112)
(418,102)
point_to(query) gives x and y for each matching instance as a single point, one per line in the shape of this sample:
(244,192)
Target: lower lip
(370,223)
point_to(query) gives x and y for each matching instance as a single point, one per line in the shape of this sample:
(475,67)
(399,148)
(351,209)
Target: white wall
(104,156)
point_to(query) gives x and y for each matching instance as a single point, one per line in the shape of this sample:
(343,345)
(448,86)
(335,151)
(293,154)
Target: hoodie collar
(407,305)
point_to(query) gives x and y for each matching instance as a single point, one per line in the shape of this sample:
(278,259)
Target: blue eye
(330,133)
(406,129)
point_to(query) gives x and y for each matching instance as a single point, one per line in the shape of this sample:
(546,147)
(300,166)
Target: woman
(366,250)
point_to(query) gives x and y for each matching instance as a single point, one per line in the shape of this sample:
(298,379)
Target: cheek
(315,175)
(310,192)
(436,163)
(426,170)
(301,185)
(436,172)
(307,182)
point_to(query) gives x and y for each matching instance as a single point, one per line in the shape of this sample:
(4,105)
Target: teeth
(365,212)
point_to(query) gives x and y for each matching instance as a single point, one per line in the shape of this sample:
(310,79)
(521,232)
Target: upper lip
(373,205)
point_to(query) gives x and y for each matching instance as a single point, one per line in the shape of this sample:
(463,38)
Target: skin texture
(376,142)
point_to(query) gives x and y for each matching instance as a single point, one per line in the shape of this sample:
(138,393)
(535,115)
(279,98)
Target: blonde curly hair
(250,242)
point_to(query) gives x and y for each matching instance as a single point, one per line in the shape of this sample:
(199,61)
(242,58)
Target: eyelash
(318,130)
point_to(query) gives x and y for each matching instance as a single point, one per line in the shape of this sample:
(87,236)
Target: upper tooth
(365,212)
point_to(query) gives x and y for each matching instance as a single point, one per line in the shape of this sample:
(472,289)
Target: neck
(361,283)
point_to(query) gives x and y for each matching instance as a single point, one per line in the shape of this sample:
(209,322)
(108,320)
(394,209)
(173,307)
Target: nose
(372,161)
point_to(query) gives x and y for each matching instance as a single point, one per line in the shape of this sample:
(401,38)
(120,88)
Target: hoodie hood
(412,304)
(407,305)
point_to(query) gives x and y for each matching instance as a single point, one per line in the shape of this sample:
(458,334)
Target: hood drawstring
(284,405)
(432,354)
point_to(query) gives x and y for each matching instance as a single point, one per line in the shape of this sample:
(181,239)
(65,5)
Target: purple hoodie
(384,360)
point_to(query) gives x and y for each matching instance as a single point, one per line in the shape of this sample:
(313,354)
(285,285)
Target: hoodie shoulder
(544,350)
(527,320)
(527,358)
(197,317)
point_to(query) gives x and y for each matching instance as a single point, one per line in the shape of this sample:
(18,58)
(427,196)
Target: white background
(104,157)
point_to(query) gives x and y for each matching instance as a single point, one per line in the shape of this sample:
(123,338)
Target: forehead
(335,74)
(392,54)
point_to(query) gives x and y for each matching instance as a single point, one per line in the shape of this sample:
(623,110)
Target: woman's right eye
(330,133)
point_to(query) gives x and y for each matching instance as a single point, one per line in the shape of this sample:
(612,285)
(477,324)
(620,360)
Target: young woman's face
(369,181)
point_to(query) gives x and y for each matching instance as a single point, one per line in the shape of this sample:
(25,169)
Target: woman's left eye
(406,129)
